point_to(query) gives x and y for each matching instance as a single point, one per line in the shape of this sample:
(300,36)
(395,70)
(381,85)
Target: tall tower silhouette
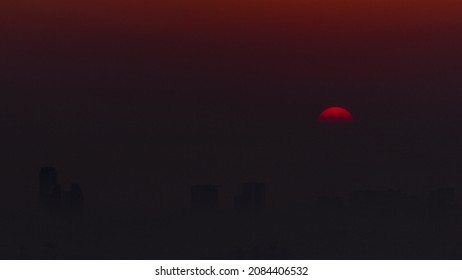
(253,197)
(56,201)
(75,200)
(47,185)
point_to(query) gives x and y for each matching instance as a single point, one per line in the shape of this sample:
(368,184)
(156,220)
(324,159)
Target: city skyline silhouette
(364,224)
(191,129)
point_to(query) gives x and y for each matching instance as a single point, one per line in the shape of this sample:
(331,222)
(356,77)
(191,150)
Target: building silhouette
(47,185)
(53,200)
(204,197)
(253,197)
(74,200)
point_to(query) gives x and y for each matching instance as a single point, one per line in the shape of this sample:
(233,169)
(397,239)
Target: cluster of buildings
(56,201)
(70,202)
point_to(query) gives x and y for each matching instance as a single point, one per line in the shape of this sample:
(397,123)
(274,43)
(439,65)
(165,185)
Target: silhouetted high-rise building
(56,201)
(47,183)
(253,197)
(75,200)
(204,197)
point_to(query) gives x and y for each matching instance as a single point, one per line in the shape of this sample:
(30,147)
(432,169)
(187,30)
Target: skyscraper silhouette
(253,197)
(75,200)
(56,201)
(47,185)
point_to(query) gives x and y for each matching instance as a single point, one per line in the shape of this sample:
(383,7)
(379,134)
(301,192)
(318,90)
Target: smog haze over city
(231,129)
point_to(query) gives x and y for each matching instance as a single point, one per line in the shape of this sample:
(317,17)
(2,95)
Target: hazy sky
(133,97)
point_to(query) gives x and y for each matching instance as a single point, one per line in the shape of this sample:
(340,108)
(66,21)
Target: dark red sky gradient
(220,91)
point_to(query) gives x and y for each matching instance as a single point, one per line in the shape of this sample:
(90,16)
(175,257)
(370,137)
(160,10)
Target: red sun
(335,115)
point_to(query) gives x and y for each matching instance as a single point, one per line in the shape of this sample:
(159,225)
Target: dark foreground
(368,226)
